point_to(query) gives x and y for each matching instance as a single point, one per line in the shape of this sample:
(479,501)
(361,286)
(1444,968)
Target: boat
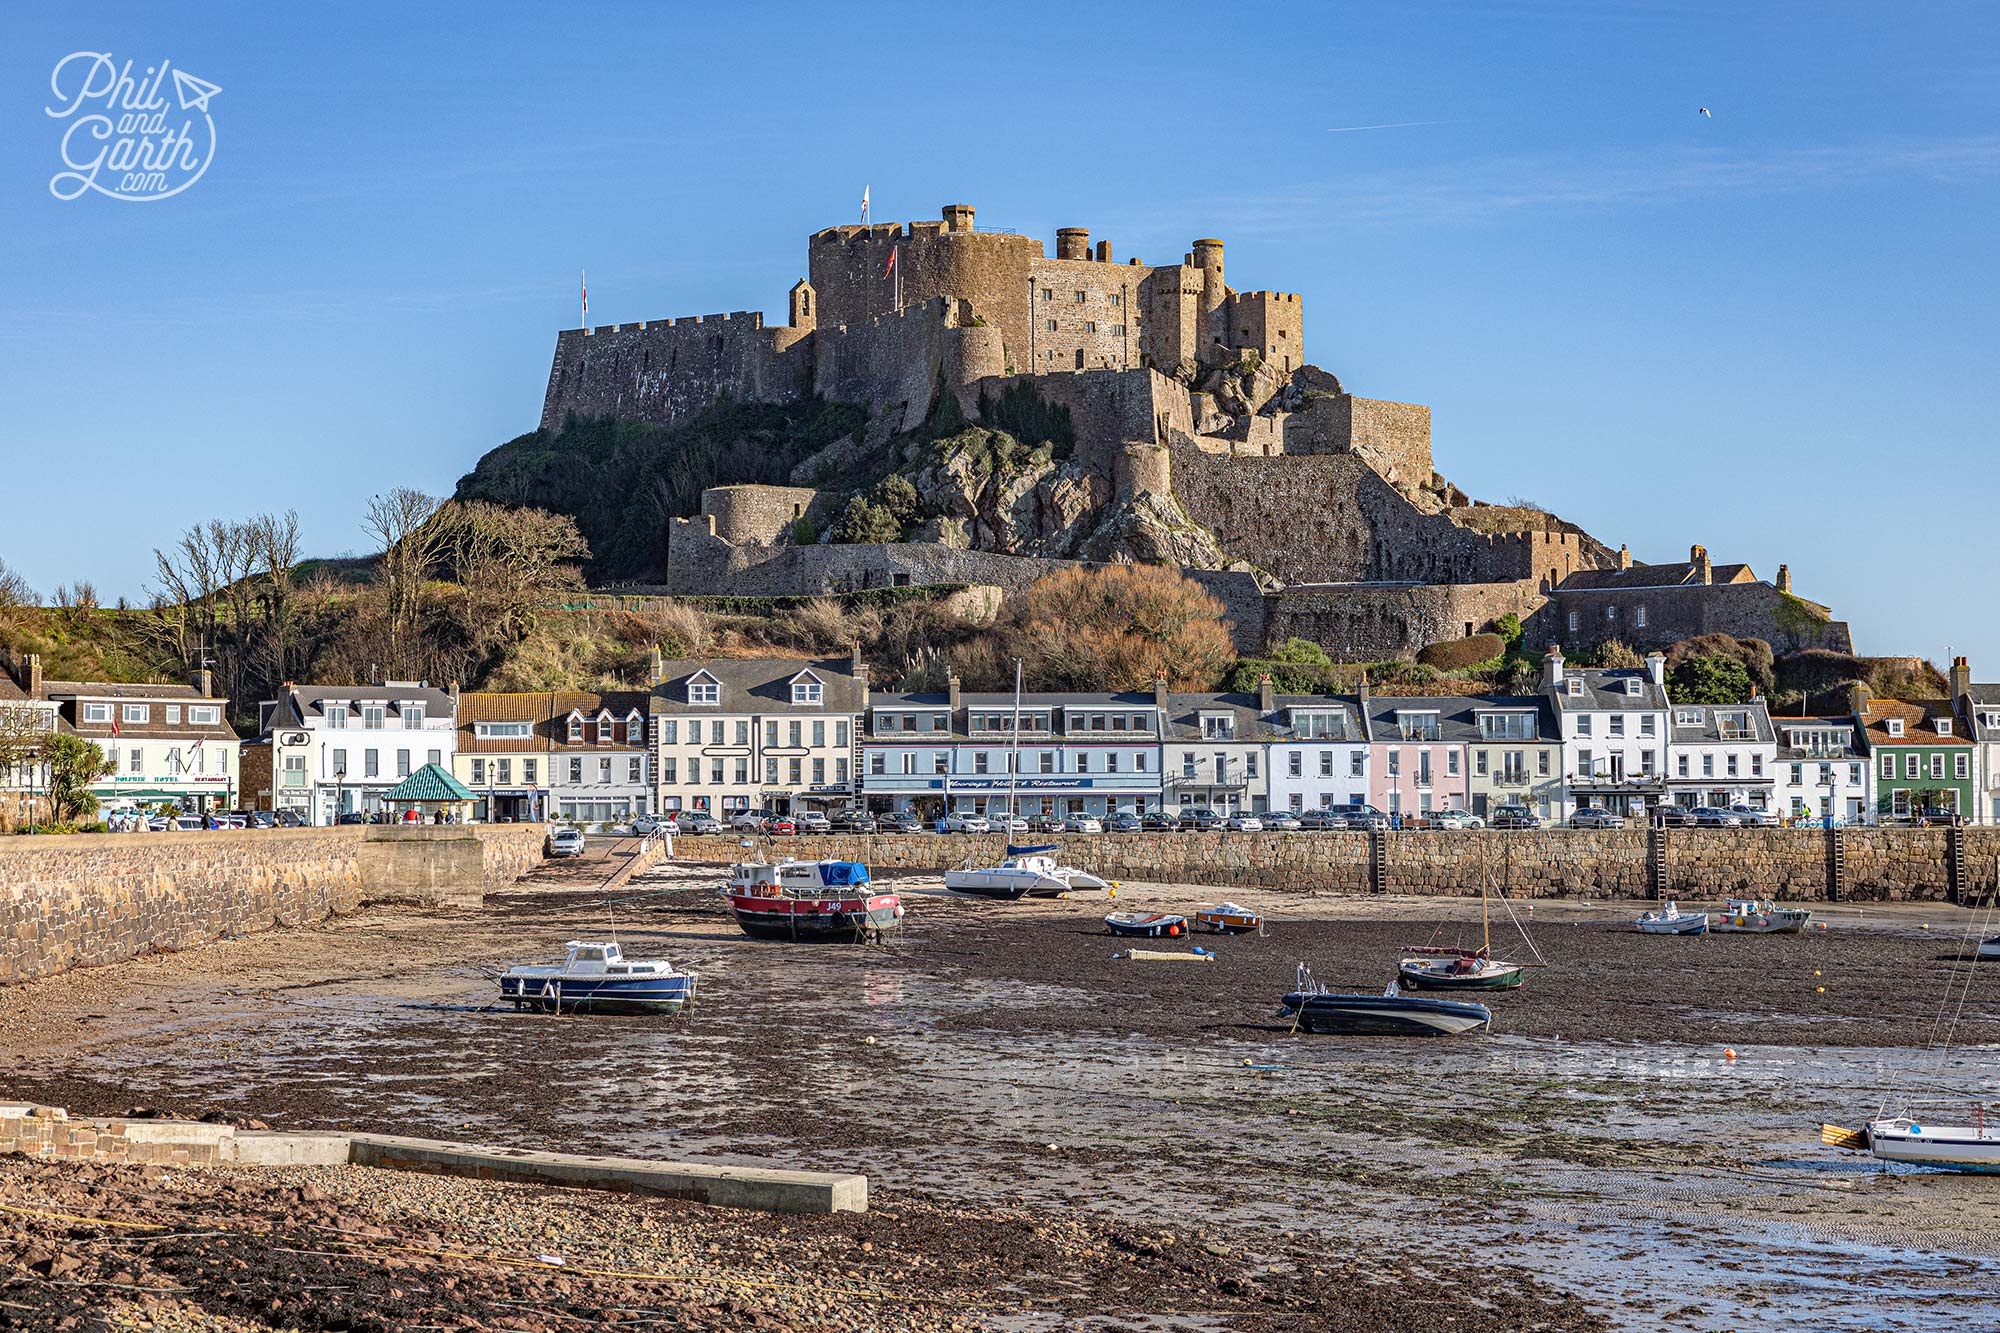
(1026,871)
(1458,969)
(1146,925)
(1753,916)
(1390,1014)
(1195,955)
(1229,919)
(811,902)
(1973,1147)
(1669,919)
(1990,948)
(595,976)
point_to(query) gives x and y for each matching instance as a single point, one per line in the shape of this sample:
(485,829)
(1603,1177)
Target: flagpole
(583,282)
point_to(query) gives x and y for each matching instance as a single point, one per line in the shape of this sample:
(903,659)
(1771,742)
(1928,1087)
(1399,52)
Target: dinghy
(1146,925)
(1229,919)
(811,902)
(1751,916)
(1390,1014)
(1669,919)
(596,977)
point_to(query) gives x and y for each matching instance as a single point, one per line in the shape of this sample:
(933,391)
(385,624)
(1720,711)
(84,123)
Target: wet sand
(1594,1161)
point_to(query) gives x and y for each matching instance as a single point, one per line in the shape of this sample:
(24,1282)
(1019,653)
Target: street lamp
(339,777)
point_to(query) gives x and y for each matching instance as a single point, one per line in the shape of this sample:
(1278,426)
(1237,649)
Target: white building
(1319,755)
(737,734)
(1723,755)
(571,755)
(337,749)
(1821,768)
(1614,732)
(1218,753)
(166,744)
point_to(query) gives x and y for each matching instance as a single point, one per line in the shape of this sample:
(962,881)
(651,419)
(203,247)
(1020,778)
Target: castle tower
(958,217)
(1072,243)
(1208,258)
(804,306)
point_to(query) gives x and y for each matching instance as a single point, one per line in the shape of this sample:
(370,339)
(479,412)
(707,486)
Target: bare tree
(400,520)
(16,598)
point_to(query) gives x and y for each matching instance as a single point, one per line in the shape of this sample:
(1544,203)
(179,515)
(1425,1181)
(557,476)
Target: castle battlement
(754,318)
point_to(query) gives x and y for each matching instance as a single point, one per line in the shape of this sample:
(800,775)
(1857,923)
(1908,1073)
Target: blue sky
(1772,331)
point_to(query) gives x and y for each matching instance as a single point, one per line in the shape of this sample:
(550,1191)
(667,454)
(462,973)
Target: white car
(1244,824)
(1082,824)
(812,821)
(966,824)
(564,842)
(749,820)
(1456,819)
(1283,823)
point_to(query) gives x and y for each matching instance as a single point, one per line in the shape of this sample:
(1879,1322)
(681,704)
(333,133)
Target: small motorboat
(1229,919)
(1390,1014)
(1147,925)
(1754,916)
(1669,919)
(1026,871)
(1974,1147)
(596,977)
(1990,949)
(811,902)
(1458,969)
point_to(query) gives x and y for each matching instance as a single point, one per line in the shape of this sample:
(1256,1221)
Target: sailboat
(1958,1137)
(1429,967)
(1026,871)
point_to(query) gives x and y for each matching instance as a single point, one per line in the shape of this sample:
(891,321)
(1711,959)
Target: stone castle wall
(1376,622)
(847,267)
(1702,865)
(756,515)
(664,369)
(92,899)
(1394,438)
(1746,610)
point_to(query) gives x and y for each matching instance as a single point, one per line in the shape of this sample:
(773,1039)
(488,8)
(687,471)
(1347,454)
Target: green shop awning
(429,784)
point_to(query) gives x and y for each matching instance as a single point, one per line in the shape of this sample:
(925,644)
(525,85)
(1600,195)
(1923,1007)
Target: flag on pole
(114,722)
(864,205)
(890,271)
(583,277)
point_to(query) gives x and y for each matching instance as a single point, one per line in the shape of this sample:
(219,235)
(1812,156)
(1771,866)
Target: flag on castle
(896,286)
(890,271)
(583,278)
(864,205)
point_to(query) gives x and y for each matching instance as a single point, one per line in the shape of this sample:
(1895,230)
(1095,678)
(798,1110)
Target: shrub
(1117,627)
(1609,654)
(1463,654)
(1714,679)
(1753,654)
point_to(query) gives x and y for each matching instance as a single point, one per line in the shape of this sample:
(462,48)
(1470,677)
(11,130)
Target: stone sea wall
(1879,865)
(93,899)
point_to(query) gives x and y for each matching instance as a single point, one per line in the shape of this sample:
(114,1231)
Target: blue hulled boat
(596,977)
(1389,1014)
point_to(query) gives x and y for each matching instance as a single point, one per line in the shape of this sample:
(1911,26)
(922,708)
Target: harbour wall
(1797,865)
(91,899)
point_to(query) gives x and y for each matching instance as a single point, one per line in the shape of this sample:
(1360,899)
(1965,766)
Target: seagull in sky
(1704,111)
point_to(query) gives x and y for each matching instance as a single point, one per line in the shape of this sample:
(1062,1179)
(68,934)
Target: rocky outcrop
(1154,529)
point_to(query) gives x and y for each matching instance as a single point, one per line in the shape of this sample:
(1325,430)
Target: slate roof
(1708,729)
(1782,726)
(1185,713)
(1919,722)
(1677,574)
(1985,699)
(1456,721)
(1605,688)
(1348,706)
(429,783)
(759,685)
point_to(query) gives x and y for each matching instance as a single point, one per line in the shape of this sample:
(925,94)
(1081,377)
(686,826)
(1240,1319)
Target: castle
(1202,439)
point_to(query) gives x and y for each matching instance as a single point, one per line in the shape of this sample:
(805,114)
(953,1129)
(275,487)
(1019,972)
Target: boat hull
(1506,976)
(982,885)
(1951,1148)
(1761,923)
(1384,1015)
(602,995)
(817,920)
(1147,925)
(1692,925)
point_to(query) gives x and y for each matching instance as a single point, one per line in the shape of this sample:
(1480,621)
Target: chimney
(859,670)
(951,689)
(656,666)
(1961,679)
(33,683)
(1267,694)
(1857,700)
(1362,691)
(1624,556)
(1784,578)
(1160,691)
(1656,668)
(1703,571)
(1552,667)
(203,681)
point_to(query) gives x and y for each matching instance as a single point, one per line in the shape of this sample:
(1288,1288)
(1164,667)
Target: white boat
(1671,920)
(596,976)
(1026,871)
(1951,1147)
(1758,916)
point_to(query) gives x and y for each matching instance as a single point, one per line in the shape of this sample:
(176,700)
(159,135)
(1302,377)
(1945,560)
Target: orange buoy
(1728,1054)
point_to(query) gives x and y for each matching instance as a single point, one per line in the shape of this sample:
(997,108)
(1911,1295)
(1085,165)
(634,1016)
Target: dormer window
(1894,726)
(575,729)
(806,691)
(1575,684)
(604,736)
(1634,688)
(336,716)
(704,689)
(1943,726)
(635,728)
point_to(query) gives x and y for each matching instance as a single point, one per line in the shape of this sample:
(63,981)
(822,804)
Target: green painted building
(1921,757)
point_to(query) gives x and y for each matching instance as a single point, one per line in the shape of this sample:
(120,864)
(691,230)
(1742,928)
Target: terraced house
(1979,708)
(777,734)
(1218,752)
(1822,770)
(1722,755)
(337,749)
(1418,753)
(1516,757)
(1614,732)
(1319,756)
(571,755)
(1922,758)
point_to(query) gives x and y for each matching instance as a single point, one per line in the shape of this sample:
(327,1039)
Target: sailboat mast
(1014,760)
(1485,925)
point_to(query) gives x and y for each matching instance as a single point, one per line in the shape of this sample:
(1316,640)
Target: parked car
(1710,816)
(352,817)
(812,821)
(964,824)
(1455,819)
(854,821)
(1595,816)
(1008,824)
(1243,823)
(903,823)
(289,818)
(750,820)
(701,823)
(1283,822)
(1161,821)
(1125,822)
(1673,816)
(1082,824)
(1750,816)
(563,842)
(784,826)
(1203,821)
(1516,816)
(1356,816)
(1321,821)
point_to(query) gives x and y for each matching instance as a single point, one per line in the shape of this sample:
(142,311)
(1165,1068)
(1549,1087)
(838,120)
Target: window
(575,736)
(940,762)
(495,730)
(979,761)
(340,762)
(770,733)
(635,730)
(1680,766)
(371,763)
(878,763)
(840,770)
(1585,763)
(1635,687)
(1583,724)
(1118,330)
(1081,297)
(704,692)
(771,771)
(1451,763)
(1943,724)
(795,732)
(819,770)
(576,770)
(1051,326)
(1357,763)
(1507,726)
(413,717)
(1139,762)
(1618,724)
(478,772)
(670,731)
(791,767)
(840,733)
(694,731)
(135,712)
(371,717)
(1048,294)
(1687,717)
(1249,765)
(1894,726)
(742,770)
(402,763)
(1542,765)
(1111,763)
(1090,326)
(1888,765)
(1395,762)
(528,771)
(1048,761)
(1854,775)
(1731,764)
(1611,614)
(715,771)
(1912,766)
(1937,766)
(1575,621)
(807,692)
(1639,616)
(1647,725)
(173,715)
(1961,766)
(97,712)
(1708,765)
(819,733)
(1294,764)
(1326,763)
(1757,766)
